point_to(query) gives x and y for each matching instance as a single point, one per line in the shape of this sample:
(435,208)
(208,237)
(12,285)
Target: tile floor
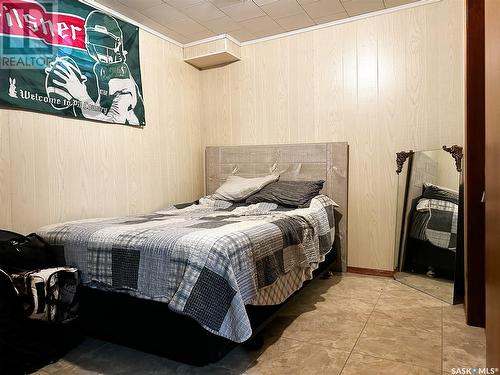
(349,325)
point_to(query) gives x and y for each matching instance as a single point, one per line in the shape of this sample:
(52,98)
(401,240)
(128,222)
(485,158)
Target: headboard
(305,162)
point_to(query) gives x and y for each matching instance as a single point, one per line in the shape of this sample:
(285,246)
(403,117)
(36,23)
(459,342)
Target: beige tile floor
(349,325)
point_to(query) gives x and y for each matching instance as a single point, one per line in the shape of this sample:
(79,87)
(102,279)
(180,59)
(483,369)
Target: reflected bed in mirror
(429,235)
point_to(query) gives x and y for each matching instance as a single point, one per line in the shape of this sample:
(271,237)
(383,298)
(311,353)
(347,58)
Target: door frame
(475,164)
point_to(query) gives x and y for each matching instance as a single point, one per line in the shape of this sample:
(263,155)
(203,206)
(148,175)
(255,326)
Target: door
(492,73)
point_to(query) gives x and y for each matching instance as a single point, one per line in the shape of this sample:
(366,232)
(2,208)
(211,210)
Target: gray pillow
(288,193)
(238,188)
(432,191)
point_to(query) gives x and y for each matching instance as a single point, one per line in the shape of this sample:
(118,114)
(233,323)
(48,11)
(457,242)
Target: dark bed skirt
(151,327)
(148,326)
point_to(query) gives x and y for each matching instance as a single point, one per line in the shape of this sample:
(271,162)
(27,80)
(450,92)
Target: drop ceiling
(191,20)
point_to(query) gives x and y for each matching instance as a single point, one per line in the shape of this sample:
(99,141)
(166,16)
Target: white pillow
(238,188)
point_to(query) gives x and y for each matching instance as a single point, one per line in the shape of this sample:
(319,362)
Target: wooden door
(492,73)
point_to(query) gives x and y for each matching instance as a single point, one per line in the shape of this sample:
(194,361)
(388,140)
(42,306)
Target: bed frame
(150,326)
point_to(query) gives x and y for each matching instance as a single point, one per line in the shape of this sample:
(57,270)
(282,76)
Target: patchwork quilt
(206,260)
(436,221)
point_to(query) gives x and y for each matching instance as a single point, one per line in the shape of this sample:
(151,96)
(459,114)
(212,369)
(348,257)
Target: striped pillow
(288,193)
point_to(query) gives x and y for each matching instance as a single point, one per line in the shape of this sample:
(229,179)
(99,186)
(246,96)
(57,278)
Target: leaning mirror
(429,230)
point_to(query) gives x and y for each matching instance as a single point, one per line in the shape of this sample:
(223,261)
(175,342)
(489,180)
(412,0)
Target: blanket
(206,260)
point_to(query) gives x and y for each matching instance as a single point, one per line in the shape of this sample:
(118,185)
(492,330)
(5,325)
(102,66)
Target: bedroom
(309,91)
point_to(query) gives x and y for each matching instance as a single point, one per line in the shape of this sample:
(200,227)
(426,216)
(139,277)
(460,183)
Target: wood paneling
(5,193)
(492,38)
(382,84)
(54,169)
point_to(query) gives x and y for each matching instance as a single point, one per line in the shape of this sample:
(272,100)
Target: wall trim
(415,4)
(370,271)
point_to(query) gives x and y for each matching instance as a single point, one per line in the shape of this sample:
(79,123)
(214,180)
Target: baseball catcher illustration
(118,96)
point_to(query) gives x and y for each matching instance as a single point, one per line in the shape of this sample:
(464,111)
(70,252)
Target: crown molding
(415,4)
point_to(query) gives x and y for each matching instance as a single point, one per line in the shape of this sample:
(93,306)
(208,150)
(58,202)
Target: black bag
(11,310)
(20,253)
(49,294)
(26,345)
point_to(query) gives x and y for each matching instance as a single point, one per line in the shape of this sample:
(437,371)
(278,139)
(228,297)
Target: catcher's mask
(104,38)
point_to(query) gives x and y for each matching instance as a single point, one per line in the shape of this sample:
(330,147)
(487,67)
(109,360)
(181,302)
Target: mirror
(429,229)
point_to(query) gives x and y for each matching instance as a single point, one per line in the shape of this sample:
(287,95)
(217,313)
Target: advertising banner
(65,58)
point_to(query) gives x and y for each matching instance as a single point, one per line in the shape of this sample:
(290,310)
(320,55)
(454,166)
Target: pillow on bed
(432,191)
(288,193)
(238,188)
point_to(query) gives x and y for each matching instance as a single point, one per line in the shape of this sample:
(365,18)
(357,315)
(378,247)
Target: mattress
(206,260)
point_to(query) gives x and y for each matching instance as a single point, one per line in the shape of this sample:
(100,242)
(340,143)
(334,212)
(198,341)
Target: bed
(210,272)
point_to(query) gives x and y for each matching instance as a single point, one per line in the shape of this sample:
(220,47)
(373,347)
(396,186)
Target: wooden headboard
(294,162)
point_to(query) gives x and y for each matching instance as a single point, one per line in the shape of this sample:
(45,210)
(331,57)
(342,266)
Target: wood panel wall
(383,84)
(55,169)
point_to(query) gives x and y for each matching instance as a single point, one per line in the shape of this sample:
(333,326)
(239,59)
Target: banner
(66,58)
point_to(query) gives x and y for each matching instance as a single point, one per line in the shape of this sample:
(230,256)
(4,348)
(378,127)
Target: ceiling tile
(395,3)
(331,18)
(295,22)
(264,2)
(163,14)
(175,36)
(282,8)
(186,26)
(243,11)
(199,36)
(140,5)
(322,8)
(203,12)
(303,2)
(189,20)
(224,3)
(221,25)
(266,33)
(242,35)
(261,24)
(356,7)
(180,4)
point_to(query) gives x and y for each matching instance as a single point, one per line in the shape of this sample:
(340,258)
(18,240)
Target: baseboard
(370,271)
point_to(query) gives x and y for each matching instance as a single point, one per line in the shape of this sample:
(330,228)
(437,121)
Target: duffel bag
(49,294)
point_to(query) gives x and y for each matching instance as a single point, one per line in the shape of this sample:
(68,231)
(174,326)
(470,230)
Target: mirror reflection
(428,231)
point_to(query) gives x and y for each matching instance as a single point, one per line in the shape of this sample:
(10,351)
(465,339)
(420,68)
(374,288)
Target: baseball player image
(118,96)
